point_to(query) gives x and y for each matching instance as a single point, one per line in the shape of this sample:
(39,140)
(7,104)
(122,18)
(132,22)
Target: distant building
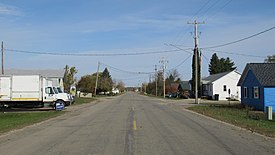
(115,91)
(184,89)
(258,85)
(221,86)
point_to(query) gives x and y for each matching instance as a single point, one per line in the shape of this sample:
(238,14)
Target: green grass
(17,120)
(10,121)
(239,116)
(83,100)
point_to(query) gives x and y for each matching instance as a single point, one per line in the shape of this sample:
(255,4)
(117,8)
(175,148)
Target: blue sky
(133,26)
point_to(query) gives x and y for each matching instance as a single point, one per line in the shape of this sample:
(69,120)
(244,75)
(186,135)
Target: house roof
(214,77)
(58,73)
(264,72)
(184,85)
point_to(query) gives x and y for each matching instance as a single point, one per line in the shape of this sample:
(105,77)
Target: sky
(141,32)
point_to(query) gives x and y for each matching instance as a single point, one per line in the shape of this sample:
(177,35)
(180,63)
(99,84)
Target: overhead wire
(210,7)
(92,54)
(221,8)
(181,63)
(239,40)
(239,54)
(197,12)
(125,71)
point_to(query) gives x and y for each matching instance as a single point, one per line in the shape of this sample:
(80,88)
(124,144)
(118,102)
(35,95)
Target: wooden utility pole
(164,64)
(196,58)
(97,74)
(2,58)
(156,80)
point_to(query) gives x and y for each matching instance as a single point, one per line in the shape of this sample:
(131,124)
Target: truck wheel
(59,102)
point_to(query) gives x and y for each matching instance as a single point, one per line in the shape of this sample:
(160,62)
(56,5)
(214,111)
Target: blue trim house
(258,85)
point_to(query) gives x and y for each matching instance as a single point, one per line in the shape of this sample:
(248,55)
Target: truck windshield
(59,90)
(55,90)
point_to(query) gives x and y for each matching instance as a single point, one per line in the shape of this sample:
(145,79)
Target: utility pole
(2,58)
(196,58)
(156,80)
(164,64)
(97,74)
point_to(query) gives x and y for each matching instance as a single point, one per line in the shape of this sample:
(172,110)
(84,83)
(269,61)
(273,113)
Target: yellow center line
(135,125)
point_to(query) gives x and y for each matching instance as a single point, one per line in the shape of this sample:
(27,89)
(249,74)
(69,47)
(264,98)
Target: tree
(69,77)
(270,59)
(151,87)
(119,85)
(214,66)
(105,81)
(193,73)
(86,83)
(173,77)
(217,65)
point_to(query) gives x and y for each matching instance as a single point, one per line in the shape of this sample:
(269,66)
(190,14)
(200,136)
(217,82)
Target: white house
(115,91)
(221,86)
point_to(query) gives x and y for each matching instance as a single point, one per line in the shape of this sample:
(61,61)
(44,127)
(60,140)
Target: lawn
(83,100)
(236,114)
(19,119)
(9,121)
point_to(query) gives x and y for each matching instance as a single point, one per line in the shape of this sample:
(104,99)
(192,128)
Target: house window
(256,92)
(224,87)
(245,92)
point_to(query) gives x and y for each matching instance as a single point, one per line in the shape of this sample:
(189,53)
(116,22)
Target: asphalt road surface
(132,124)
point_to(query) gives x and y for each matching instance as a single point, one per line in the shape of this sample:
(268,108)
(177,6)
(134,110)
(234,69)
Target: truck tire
(60,102)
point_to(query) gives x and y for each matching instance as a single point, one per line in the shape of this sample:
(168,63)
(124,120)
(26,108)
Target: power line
(216,2)
(135,78)
(125,71)
(227,3)
(197,12)
(180,63)
(93,54)
(233,42)
(185,50)
(239,54)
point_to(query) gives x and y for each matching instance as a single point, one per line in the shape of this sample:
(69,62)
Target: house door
(269,98)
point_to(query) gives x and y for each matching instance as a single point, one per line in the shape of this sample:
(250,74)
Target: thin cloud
(10,10)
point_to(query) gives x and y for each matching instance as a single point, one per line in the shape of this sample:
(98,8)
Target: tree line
(86,83)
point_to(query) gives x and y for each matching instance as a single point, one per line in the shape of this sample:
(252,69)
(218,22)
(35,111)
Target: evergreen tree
(105,81)
(214,66)
(217,65)
(270,59)
(198,73)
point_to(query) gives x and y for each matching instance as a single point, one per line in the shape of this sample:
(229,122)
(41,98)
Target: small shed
(258,85)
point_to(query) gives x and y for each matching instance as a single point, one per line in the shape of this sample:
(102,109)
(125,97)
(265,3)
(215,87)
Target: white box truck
(27,90)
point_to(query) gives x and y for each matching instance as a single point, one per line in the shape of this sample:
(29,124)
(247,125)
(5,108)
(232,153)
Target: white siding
(230,80)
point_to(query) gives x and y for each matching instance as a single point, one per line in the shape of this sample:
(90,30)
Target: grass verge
(239,116)
(83,100)
(16,120)
(10,121)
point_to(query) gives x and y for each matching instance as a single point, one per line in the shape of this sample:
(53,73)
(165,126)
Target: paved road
(133,124)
